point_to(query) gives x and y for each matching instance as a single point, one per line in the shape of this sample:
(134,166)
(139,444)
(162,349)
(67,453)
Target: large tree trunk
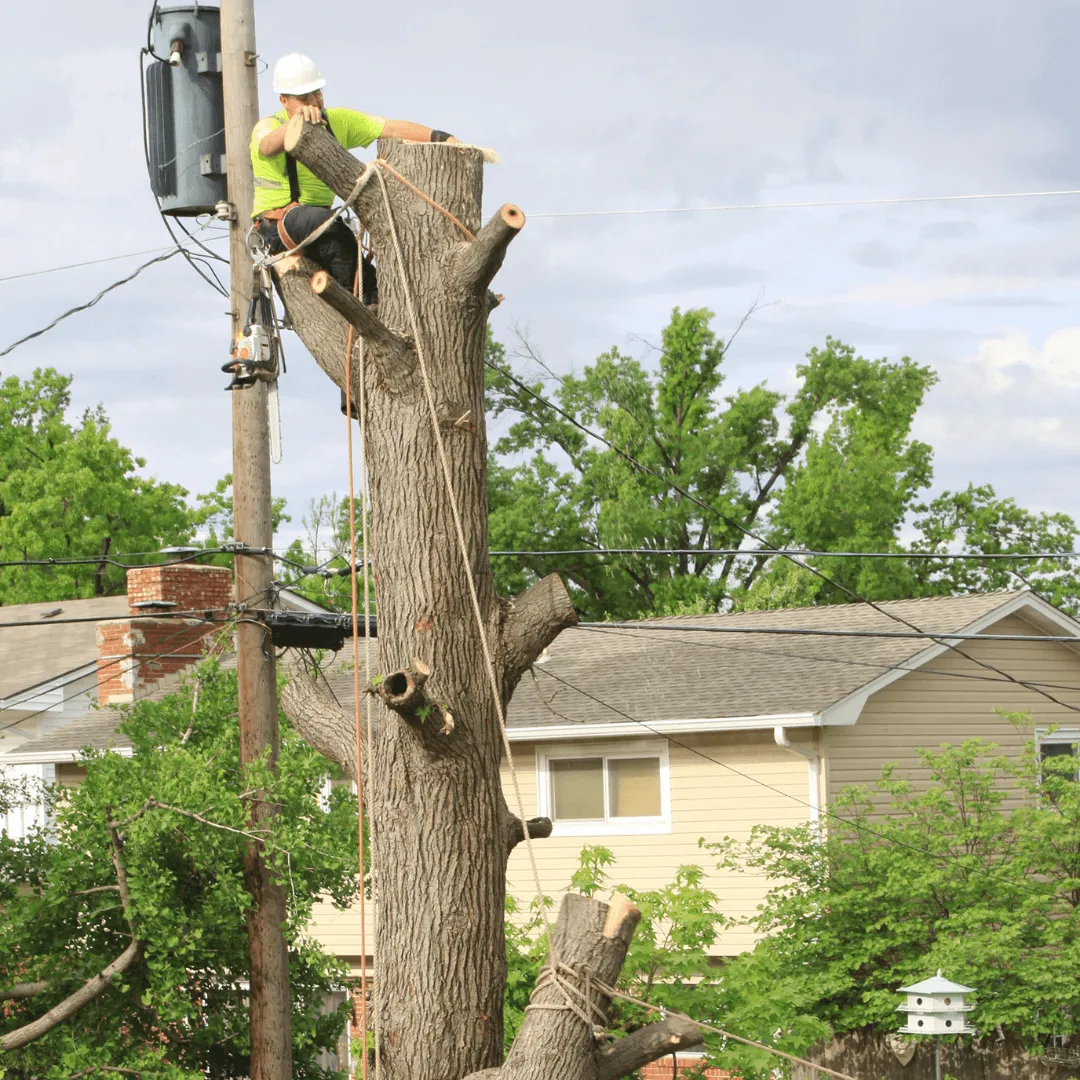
(433,788)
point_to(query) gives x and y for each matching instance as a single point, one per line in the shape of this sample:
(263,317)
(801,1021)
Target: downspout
(813,761)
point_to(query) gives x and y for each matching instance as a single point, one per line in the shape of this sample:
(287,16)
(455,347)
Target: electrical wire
(90,303)
(942,637)
(135,660)
(876,665)
(815,203)
(801,553)
(738,525)
(91,262)
(197,613)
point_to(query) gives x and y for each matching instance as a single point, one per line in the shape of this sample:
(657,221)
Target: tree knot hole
(397,684)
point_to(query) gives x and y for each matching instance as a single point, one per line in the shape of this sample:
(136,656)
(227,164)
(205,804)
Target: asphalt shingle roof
(654,675)
(36,654)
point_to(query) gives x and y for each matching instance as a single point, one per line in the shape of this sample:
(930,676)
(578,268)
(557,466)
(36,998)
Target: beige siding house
(645,738)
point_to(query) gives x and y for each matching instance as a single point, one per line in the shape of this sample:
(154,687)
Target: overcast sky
(604,105)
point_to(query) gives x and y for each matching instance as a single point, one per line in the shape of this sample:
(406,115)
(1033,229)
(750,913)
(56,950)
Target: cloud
(1012,358)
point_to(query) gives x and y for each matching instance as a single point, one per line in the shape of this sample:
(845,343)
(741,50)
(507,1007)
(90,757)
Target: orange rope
(356,681)
(427,198)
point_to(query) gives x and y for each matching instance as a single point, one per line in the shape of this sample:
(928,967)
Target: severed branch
(531,622)
(395,353)
(99,983)
(314,146)
(539,829)
(403,692)
(653,1041)
(478,261)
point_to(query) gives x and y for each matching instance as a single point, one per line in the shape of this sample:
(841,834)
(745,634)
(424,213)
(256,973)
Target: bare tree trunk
(433,787)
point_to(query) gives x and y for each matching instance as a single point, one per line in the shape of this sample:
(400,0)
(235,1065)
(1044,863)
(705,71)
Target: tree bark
(434,791)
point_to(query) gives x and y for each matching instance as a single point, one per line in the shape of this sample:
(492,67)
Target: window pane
(1059,750)
(577,789)
(634,787)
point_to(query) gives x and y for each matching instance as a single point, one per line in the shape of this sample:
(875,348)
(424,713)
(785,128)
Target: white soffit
(704,725)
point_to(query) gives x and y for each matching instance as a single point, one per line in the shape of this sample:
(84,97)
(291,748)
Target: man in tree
(290,201)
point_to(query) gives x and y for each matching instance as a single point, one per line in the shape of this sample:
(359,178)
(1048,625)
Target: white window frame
(1057,737)
(623,826)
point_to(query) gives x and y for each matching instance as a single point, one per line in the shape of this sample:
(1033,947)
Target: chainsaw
(257,355)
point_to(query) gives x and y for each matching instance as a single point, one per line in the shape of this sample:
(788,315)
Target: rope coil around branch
(576,999)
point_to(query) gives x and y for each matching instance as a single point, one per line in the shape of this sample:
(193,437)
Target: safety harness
(278,215)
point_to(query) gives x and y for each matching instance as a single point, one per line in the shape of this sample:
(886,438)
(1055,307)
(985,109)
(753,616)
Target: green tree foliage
(958,875)
(72,490)
(832,467)
(326,544)
(180,1012)
(834,463)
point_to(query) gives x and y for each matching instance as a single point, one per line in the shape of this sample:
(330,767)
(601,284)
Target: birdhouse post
(936,1007)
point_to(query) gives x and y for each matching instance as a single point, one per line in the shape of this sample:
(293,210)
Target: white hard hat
(297,74)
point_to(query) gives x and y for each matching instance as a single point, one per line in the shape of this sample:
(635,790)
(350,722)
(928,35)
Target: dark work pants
(334,251)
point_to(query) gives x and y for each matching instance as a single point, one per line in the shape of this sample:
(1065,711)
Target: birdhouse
(936,1007)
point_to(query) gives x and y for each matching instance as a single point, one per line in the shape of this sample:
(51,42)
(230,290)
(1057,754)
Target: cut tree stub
(440,820)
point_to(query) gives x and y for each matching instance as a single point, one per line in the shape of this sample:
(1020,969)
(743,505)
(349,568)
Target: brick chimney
(135,654)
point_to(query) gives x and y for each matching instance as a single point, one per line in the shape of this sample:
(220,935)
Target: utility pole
(271,1026)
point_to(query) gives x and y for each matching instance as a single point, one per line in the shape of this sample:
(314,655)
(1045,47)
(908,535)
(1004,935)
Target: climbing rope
(580,1002)
(368,704)
(463,544)
(356,664)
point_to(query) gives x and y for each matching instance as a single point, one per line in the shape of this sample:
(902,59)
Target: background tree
(832,468)
(72,490)
(781,467)
(178,1009)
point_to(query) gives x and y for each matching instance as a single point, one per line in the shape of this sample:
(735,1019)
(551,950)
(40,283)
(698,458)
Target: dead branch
(653,1041)
(531,622)
(394,353)
(97,984)
(479,260)
(21,991)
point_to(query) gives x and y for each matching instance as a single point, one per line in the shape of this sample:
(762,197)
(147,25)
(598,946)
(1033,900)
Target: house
(60,660)
(646,738)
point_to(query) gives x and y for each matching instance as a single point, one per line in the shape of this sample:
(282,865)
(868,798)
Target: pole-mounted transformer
(185,110)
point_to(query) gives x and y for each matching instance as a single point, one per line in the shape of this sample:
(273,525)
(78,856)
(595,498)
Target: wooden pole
(271,1027)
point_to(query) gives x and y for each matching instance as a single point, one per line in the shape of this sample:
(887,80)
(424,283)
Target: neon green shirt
(350,128)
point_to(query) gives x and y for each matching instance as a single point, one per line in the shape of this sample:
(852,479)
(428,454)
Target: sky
(605,106)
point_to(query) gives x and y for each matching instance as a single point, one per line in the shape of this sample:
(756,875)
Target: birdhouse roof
(936,985)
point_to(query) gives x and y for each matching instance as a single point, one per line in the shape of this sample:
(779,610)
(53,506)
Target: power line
(198,613)
(738,525)
(117,660)
(177,250)
(801,553)
(815,203)
(940,636)
(90,262)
